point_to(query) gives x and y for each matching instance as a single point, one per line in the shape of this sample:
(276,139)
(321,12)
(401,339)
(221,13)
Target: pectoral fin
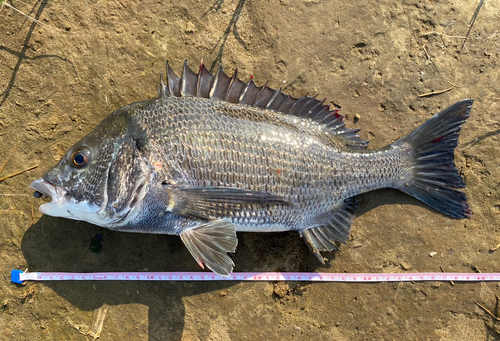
(216,202)
(209,244)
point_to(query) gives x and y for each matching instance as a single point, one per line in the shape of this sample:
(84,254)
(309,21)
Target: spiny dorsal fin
(231,89)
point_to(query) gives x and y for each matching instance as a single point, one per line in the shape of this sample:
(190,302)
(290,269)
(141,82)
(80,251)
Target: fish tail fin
(434,178)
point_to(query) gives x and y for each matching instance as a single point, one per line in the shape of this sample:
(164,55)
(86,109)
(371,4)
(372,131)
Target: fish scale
(288,165)
(214,155)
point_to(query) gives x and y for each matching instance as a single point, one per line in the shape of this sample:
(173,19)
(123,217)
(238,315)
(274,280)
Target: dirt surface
(372,58)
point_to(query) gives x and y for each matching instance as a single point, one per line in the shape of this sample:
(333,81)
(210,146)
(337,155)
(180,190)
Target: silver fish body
(213,155)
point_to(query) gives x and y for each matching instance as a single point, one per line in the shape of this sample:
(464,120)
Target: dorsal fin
(231,89)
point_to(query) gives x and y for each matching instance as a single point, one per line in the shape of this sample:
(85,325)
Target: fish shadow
(61,245)
(388,196)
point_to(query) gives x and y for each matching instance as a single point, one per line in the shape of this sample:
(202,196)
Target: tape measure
(18,276)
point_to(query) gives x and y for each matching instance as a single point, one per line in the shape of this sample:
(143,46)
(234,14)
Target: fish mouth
(45,189)
(61,205)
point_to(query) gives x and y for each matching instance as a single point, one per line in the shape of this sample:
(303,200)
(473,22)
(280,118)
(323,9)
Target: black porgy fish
(213,155)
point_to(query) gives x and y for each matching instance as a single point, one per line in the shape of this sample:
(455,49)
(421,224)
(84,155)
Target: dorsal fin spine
(189,81)
(216,79)
(163,90)
(245,89)
(228,90)
(288,97)
(172,81)
(220,85)
(198,82)
(319,105)
(205,82)
(273,98)
(183,79)
(260,94)
(299,103)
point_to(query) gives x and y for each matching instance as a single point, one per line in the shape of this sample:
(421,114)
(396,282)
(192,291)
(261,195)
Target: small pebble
(405,266)
(433,253)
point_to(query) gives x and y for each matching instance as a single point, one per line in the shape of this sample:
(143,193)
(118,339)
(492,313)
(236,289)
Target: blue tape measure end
(15,276)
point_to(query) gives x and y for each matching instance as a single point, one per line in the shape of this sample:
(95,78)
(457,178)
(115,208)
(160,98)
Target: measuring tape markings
(18,276)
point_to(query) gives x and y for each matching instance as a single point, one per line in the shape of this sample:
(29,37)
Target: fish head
(100,179)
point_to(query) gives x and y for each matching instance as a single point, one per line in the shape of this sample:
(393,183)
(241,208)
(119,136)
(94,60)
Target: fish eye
(80,157)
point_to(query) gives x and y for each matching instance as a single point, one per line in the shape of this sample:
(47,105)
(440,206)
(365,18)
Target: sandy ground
(372,58)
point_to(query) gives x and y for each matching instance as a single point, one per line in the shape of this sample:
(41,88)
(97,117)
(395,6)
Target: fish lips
(56,193)
(61,205)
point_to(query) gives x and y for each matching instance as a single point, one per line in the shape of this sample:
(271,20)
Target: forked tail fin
(435,179)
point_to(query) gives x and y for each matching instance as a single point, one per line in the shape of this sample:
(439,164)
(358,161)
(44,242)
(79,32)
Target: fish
(213,155)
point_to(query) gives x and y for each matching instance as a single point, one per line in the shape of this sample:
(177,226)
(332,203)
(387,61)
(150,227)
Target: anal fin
(332,227)
(209,244)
